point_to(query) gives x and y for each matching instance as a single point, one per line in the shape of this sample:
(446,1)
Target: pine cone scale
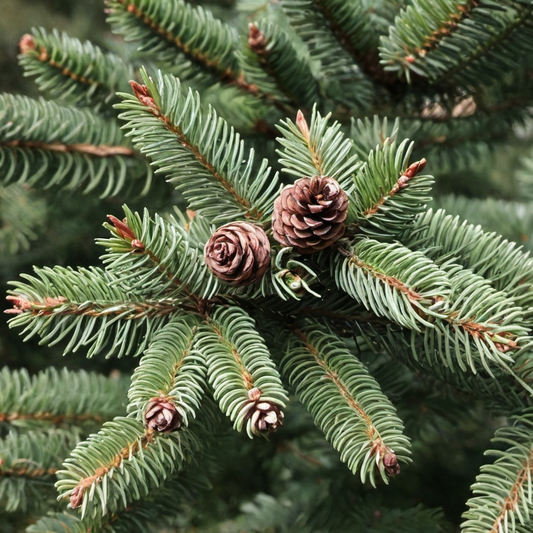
(303,234)
(311,222)
(299,222)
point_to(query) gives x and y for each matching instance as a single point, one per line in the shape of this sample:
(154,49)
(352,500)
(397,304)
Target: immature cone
(238,253)
(309,215)
(390,462)
(161,415)
(76,497)
(265,416)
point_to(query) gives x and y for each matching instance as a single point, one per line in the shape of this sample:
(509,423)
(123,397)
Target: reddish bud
(54,302)
(254,394)
(19,305)
(76,497)
(27,43)
(412,171)
(143,95)
(122,228)
(302,124)
(403,181)
(410,59)
(415,168)
(137,244)
(504,348)
(256,40)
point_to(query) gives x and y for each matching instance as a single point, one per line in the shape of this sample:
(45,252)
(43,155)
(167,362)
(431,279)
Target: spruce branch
(124,462)
(390,192)
(433,22)
(515,31)
(455,240)
(157,258)
(176,24)
(502,393)
(317,149)
(185,144)
(502,491)
(243,377)
(481,324)
(172,370)
(88,307)
(58,523)
(392,281)
(73,72)
(369,133)
(457,41)
(139,515)
(28,464)
(345,402)
(206,45)
(42,142)
(273,64)
(487,212)
(22,214)
(342,80)
(351,23)
(80,399)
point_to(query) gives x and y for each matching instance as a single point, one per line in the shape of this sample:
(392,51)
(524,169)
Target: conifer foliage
(302,260)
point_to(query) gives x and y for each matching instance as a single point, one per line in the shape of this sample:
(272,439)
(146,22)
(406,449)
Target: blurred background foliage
(64,224)
(82,19)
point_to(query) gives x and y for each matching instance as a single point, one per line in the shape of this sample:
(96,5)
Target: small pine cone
(161,415)
(390,462)
(309,215)
(238,253)
(265,416)
(76,497)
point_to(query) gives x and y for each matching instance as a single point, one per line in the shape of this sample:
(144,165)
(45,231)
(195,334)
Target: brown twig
(101,150)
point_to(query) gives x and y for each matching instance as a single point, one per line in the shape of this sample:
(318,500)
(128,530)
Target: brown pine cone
(390,462)
(238,253)
(161,415)
(265,416)
(309,215)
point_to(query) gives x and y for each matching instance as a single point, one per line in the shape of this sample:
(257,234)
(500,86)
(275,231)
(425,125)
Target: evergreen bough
(408,290)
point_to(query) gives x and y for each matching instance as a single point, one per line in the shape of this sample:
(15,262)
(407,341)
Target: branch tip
(302,124)
(142,94)
(27,43)
(76,496)
(20,304)
(256,39)
(122,228)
